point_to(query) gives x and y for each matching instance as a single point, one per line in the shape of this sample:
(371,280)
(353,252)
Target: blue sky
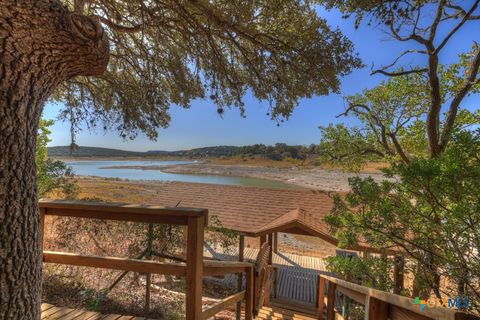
(201,126)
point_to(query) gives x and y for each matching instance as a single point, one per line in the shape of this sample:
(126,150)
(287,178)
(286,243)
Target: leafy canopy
(418,121)
(393,121)
(430,211)
(167,53)
(428,27)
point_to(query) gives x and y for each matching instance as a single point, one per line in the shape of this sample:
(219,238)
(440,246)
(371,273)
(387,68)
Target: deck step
(278,313)
(294,305)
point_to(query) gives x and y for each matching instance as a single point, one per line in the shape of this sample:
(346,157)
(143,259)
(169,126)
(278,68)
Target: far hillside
(277,152)
(65,151)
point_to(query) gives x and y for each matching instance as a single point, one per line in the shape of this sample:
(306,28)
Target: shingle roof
(256,211)
(251,210)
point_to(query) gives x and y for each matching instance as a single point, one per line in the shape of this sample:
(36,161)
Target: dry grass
(115,190)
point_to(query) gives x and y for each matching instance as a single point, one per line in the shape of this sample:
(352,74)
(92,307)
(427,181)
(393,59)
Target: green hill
(64,151)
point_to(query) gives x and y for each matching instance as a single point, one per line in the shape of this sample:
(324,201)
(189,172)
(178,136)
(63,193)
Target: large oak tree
(122,63)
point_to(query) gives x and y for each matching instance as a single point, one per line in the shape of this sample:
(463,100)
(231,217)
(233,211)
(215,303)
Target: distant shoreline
(117,158)
(313,177)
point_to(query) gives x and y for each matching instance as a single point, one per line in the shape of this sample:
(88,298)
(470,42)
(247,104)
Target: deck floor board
(50,312)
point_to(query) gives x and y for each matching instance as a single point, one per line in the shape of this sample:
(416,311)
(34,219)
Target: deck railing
(379,305)
(193,270)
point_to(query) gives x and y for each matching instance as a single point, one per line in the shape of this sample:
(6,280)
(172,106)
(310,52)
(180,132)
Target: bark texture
(41,45)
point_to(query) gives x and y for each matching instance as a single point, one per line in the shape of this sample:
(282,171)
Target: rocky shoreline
(313,178)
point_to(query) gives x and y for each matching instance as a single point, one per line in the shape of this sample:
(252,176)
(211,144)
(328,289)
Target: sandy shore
(314,178)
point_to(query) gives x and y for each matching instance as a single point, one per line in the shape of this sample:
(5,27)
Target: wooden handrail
(220,268)
(141,266)
(380,305)
(121,212)
(223,304)
(193,270)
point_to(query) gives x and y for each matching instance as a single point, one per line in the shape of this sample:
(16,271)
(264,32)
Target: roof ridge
(282,215)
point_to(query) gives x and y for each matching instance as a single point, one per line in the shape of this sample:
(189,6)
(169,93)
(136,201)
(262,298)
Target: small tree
(412,21)
(430,212)
(416,122)
(122,63)
(52,175)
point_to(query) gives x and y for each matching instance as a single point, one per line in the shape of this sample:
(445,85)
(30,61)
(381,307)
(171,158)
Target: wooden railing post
(377,309)
(267,287)
(148,256)
(275,283)
(42,228)
(331,301)
(249,294)
(194,268)
(321,297)
(241,256)
(275,242)
(270,252)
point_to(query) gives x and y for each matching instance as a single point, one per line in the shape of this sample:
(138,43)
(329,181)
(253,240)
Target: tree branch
(79,6)
(469,82)
(412,36)
(120,28)
(399,73)
(465,18)
(399,148)
(433,116)
(398,58)
(436,21)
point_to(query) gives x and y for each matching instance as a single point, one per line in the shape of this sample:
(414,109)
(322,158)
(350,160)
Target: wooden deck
(276,312)
(297,274)
(51,312)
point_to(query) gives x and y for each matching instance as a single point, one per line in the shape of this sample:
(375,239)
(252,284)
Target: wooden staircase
(282,309)
(277,313)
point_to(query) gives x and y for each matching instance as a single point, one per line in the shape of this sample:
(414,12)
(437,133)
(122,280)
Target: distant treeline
(279,151)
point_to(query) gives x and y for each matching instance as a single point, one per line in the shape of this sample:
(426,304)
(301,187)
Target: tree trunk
(41,45)
(20,271)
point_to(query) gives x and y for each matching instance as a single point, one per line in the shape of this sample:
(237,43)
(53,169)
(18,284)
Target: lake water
(99,169)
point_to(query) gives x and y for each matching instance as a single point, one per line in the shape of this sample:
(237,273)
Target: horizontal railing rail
(223,304)
(379,305)
(193,270)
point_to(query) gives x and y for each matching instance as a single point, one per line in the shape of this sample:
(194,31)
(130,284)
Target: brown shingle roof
(252,210)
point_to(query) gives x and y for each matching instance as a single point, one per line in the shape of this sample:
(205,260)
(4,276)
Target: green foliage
(170,53)
(430,210)
(52,175)
(393,121)
(279,151)
(370,271)
(376,10)
(350,147)
(435,91)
